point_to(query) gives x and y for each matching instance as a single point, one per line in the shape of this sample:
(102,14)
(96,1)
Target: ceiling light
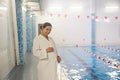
(112,7)
(75,8)
(54,9)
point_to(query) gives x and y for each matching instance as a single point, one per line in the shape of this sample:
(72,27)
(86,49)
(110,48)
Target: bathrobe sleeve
(37,50)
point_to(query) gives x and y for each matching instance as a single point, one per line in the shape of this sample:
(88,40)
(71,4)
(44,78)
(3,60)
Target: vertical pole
(93,25)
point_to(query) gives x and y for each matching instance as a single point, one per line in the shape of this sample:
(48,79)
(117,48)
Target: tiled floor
(26,72)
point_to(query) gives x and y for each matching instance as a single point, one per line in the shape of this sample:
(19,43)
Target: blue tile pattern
(19,27)
(33,21)
(30,29)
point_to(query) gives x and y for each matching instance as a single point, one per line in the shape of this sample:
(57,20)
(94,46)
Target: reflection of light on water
(65,71)
(64,66)
(83,69)
(62,73)
(112,66)
(75,74)
(113,74)
(74,71)
(75,64)
(118,71)
(76,77)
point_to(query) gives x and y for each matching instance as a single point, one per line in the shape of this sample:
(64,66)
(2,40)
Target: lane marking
(88,69)
(103,59)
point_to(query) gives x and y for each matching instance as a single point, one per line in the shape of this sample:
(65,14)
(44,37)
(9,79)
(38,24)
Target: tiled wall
(29,32)
(19,27)
(30,29)
(33,22)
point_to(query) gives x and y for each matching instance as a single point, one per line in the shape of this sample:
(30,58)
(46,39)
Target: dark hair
(45,25)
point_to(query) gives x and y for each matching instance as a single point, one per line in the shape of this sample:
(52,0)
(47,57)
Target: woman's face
(46,31)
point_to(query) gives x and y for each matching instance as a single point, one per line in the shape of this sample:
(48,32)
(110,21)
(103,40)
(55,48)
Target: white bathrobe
(47,67)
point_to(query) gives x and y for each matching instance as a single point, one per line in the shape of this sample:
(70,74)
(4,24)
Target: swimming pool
(90,62)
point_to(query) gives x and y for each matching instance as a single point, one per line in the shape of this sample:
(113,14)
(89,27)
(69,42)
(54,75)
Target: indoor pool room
(59,39)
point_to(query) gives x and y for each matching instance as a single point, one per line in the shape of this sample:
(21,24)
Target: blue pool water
(78,64)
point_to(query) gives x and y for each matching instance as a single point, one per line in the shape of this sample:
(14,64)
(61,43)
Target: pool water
(90,62)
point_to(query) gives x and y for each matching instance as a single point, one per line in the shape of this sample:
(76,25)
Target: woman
(44,49)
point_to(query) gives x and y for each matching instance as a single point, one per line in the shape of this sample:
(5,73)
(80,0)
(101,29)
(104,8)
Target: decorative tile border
(19,27)
(30,29)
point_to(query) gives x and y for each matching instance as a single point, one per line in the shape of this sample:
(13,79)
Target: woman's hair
(45,25)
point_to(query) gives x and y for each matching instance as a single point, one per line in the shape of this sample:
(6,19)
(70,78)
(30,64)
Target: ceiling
(43,5)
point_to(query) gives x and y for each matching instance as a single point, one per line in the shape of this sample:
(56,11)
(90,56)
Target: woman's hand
(58,59)
(50,49)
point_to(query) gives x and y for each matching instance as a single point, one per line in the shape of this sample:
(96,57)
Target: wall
(13,43)
(24,29)
(19,20)
(71,28)
(7,54)
(108,30)
(30,29)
